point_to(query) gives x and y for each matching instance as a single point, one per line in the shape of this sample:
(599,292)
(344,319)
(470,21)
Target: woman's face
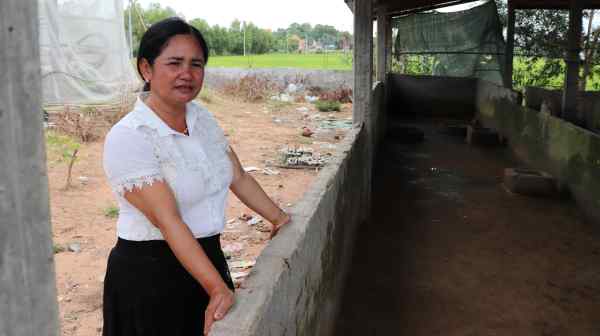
(177,74)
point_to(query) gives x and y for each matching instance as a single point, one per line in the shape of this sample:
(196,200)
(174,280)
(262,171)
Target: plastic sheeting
(84,53)
(466,43)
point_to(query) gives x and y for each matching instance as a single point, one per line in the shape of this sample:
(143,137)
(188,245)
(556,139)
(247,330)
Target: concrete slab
(483,136)
(530,182)
(405,135)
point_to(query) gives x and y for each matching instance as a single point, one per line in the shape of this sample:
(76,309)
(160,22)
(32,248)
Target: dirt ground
(84,227)
(449,251)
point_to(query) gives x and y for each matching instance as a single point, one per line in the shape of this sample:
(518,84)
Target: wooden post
(363,60)
(383,32)
(572,59)
(28,304)
(510,46)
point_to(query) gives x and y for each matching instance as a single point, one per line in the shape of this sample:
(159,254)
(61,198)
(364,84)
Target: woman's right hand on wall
(221,300)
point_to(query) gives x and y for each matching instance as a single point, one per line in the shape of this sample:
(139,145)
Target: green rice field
(324,61)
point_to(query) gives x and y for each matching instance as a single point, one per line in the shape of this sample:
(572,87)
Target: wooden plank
(28,304)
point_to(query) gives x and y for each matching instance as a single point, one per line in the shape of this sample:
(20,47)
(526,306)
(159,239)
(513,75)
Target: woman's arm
(158,204)
(245,187)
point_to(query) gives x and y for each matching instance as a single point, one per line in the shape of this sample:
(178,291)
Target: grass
(60,146)
(324,61)
(111,211)
(328,105)
(56,248)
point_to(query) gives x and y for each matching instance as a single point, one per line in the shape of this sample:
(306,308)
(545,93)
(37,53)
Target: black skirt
(147,291)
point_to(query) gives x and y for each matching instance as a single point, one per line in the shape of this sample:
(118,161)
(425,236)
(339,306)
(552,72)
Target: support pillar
(362,91)
(363,59)
(510,46)
(572,60)
(383,53)
(28,304)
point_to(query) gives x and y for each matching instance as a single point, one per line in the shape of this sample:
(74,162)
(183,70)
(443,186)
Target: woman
(171,167)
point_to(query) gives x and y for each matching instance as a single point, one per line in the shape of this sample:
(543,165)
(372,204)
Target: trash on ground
(268,171)
(245,217)
(335,124)
(302,109)
(307,132)
(74,247)
(242,264)
(251,169)
(302,157)
(254,220)
(233,248)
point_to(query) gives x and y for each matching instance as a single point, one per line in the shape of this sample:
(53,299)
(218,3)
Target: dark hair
(156,38)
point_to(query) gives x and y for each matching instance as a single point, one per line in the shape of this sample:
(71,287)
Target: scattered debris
(245,217)
(74,247)
(231,221)
(83,179)
(332,123)
(233,248)
(284,97)
(242,264)
(311,99)
(307,132)
(302,109)
(251,169)
(301,157)
(254,220)
(268,171)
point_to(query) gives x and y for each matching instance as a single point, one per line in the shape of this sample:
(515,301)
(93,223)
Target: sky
(266,14)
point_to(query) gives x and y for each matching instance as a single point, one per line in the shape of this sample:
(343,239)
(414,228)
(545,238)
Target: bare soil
(80,219)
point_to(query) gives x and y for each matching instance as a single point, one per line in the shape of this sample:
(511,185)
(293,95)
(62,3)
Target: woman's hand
(281,220)
(221,300)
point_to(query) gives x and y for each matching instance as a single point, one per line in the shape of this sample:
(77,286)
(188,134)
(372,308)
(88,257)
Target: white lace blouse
(141,149)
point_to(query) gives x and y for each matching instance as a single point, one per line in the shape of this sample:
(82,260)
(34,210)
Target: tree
(541,39)
(142,18)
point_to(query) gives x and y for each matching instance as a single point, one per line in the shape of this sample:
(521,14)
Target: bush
(111,212)
(251,88)
(328,105)
(341,94)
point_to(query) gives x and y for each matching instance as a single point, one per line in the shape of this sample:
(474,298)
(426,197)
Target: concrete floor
(449,251)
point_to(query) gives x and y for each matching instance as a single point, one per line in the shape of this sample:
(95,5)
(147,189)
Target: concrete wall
(295,285)
(588,105)
(570,153)
(378,104)
(327,79)
(432,96)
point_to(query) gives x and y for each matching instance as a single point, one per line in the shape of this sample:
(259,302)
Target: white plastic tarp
(84,53)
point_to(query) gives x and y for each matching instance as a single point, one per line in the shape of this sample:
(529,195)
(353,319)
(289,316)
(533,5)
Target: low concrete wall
(432,96)
(379,103)
(295,285)
(588,114)
(570,153)
(327,79)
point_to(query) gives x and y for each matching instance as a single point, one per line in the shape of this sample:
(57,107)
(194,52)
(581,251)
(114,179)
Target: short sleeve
(129,160)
